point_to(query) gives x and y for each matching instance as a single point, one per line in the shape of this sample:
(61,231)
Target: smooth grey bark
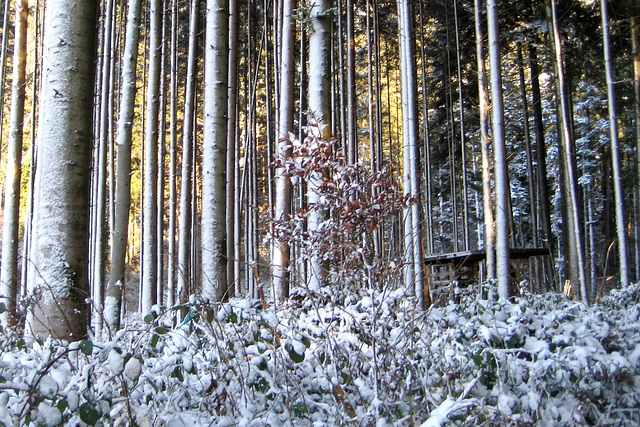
(281,249)
(319,98)
(352,125)
(185,252)
(616,167)
(3,60)
(232,160)
(119,239)
(501,177)
(214,154)
(60,247)
(172,253)
(414,272)
(574,231)
(149,261)
(98,227)
(11,220)
(483,107)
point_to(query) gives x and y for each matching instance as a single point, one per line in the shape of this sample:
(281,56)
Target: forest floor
(337,358)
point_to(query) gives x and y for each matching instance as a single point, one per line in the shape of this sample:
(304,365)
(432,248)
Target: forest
(227,212)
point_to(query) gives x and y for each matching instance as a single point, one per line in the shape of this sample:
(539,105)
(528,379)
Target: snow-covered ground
(338,358)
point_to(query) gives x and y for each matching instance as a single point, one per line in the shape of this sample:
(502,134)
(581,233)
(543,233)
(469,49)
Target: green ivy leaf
(3,307)
(86,347)
(154,340)
(88,414)
(149,318)
(160,330)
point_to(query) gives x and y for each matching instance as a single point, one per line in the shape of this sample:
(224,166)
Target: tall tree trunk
(184,233)
(60,248)
(635,47)
(319,97)
(615,151)
(501,173)
(98,228)
(572,206)
(120,237)
(483,106)
(214,155)
(231,146)
(352,141)
(9,270)
(542,185)
(172,253)
(281,249)
(3,62)
(414,273)
(149,262)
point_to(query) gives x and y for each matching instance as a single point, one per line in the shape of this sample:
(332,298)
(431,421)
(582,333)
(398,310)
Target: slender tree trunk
(574,230)
(635,46)
(352,141)
(214,155)
(60,248)
(120,237)
(172,253)
(623,253)
(9,271)
(320,110)
(500,157)
(184,234)
(3,62)
(414,277)
(483,106)
(231,146)
(98,228)
(281,249)
(149,262)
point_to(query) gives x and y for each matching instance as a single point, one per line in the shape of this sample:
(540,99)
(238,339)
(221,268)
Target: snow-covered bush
(336,358)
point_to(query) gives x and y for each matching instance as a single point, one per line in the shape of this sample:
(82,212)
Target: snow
(340,357)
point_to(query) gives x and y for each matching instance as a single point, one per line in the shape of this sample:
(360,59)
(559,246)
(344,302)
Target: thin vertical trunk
(120,237)
(352,142)
(184,233)
(542,186)
(232,160)
(172,253)
(3,62)
(162,151)
(463,138)
(615,152)
(281,249)
(572,209)
(214,155)
(414,277)
(635,47)
(149,262)
(499,156)
(320,110)
(9,270)
(98,227)
(483,106)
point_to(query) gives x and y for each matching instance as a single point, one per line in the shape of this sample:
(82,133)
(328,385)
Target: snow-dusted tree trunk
(10,225)
(214,152)
(98,227)
(483,106)
(573,229)
(635,48)
(186,184)
(319,99)
(119,239)
(414,272)
(60,246)
(172,253)
(281,249)
(501,176)
(149,262)
(623,253)
(232,194)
